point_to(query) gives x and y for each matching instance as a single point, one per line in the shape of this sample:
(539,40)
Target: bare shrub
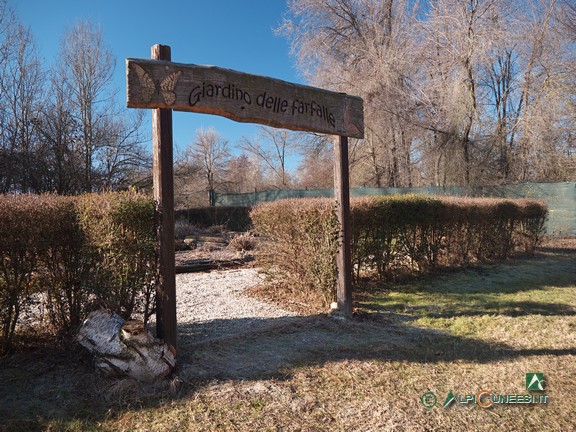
(73,249)
(243,242)
(211,247)
(67,265)
(120,230)
(216,229)
(183,229)
(301,239)
(25,231)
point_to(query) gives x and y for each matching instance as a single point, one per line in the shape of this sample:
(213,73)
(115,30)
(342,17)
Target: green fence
(560,198)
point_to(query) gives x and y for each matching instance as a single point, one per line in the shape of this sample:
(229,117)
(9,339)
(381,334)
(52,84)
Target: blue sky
(234,34)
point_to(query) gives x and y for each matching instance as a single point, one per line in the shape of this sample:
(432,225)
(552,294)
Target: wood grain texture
(163,181)
(242,97)
(343,255)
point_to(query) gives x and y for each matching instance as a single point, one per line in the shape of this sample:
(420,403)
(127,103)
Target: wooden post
(163,181)
(342,196)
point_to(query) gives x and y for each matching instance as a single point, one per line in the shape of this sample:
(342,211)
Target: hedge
(64,252)
(391,235)
(300,243)
(119,229)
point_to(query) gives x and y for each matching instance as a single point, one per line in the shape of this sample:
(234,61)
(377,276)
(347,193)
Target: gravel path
(212,305)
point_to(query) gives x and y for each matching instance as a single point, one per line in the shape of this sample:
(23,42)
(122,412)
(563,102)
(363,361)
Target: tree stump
(125,348)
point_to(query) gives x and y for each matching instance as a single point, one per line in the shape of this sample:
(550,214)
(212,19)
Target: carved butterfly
(148,87)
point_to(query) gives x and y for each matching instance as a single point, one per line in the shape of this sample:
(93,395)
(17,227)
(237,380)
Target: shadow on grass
(487,307)
(513,288)
(286,342)
(52,385)
(509,277)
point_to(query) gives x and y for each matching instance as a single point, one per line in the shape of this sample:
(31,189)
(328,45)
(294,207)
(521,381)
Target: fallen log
(205,265)
(125,348)
(208,239)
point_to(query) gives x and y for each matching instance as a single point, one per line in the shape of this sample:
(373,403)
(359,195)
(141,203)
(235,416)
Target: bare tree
(22,155)
(272,147)
(363,47)
(58,128)
(7,19)
(123,160)
(316,171)
(458,36)
(211,154)
(244,174)
(65,134)
(455,91)
(87,66)
(105,141)
(189,190)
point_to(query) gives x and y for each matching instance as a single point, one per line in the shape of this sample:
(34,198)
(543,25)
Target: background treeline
(58,254)
(61,128)
(456,92)
(391,236)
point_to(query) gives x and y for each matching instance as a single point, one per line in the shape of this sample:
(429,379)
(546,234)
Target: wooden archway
(163,86)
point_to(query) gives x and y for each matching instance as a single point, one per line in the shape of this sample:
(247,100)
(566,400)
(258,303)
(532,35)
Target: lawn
(483,328)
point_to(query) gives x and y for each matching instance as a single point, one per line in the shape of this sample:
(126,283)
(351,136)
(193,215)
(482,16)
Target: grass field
(479,329)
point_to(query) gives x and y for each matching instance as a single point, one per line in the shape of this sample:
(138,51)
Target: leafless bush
(243,242)
(302,244)
(391,236)
(210,247)
(216,229)
(71,249)
(183,228)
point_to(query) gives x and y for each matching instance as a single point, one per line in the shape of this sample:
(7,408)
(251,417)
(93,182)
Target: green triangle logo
(535,381)
(449,399)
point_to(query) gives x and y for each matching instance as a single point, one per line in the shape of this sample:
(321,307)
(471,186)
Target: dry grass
(461,332)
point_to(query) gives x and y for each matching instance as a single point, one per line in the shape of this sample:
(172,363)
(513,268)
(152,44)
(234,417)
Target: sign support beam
(163,180)
(343,255)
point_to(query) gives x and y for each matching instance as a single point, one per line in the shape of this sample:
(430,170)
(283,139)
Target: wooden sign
(242,97)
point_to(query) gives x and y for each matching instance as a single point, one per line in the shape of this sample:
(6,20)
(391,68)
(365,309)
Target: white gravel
(212,305)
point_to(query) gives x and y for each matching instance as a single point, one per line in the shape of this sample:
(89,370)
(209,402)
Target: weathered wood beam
(163,181)
(343,255)
(242,97)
